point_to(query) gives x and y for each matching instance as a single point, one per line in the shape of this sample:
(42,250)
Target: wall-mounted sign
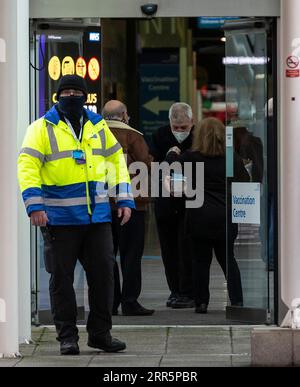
(2,311)
(68,66)
(159,87)
(2,51)
(94,37)
(245,60)
(64,52)
(54,68)
(81,67)
(292,62)
(246,203)
(213,22)
(94,69)
(292,73)
(293,70)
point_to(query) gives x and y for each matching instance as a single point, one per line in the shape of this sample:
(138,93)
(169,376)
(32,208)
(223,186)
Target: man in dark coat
(170,211)
(129,239)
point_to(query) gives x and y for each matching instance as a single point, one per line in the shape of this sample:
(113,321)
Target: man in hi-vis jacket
(69,166)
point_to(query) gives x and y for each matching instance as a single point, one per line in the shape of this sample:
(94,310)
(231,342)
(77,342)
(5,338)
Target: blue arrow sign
(159,89)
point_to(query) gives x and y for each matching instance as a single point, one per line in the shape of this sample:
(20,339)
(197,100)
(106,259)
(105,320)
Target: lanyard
(78,140)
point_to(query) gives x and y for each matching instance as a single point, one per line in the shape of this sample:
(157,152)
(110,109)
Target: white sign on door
(246,203)
(2,311)
(2,51)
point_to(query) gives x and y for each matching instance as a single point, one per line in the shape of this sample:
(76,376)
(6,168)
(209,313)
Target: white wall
(290,155)
(22,124)
(9,344)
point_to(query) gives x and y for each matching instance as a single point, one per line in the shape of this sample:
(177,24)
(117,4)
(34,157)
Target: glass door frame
(270,314)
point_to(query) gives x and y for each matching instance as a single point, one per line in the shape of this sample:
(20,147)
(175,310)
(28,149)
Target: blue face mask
(71,107)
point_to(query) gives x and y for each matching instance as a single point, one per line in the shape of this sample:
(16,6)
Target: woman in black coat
(205,227)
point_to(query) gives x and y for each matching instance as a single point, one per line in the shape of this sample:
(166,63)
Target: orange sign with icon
(54,68)
(94,69)
(81,67)
(68,66)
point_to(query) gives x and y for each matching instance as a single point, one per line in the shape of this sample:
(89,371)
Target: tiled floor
(255,282)
(146,347)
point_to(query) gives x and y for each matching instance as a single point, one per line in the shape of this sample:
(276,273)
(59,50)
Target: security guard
(69,166)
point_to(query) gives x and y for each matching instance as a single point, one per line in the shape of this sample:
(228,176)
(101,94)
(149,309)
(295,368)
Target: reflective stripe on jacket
(70,193)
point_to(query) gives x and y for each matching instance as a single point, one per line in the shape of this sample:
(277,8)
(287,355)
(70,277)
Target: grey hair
(115,114)
(179,110)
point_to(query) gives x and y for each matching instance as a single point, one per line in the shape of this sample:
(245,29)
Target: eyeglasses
(69,92)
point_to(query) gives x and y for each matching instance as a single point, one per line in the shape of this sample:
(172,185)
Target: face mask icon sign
(68,66)
(2,311)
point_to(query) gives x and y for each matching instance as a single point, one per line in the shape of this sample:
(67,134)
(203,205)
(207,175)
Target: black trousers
(93,246)
(175,253)
(202,255)
(129,240)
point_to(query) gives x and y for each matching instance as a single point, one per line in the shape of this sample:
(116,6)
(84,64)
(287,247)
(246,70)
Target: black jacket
(253,149)
(209,221)
(162,141)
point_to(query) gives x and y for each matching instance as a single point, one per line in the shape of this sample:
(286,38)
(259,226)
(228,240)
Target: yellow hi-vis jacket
(72,194)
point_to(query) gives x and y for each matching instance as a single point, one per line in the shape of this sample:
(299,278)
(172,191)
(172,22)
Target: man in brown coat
(128,239)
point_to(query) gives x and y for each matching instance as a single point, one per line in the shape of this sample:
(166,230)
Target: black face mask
(71,107)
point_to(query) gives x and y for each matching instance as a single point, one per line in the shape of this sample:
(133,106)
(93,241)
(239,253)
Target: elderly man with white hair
(170,211)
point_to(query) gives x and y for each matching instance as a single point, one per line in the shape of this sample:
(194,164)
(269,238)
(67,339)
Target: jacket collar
(52,116)
(93,117)
(114,124)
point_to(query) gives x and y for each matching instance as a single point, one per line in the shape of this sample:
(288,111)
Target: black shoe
(170,301)
(69,348)
(107,344)
(136,310)
(202,308)
(183,302)
(115,312)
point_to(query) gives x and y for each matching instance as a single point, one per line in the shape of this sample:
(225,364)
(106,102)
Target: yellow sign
(91,99)
(68,66)
(81,67)
(54,68)
(94,69)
